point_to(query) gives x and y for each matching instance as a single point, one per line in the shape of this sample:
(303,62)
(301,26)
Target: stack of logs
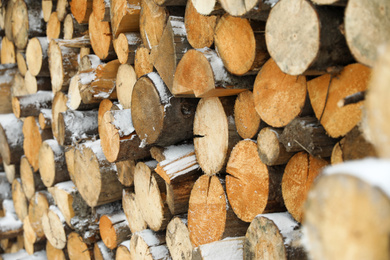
(175,129)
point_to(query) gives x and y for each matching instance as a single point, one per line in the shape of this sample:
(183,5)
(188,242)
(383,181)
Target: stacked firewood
(175,129)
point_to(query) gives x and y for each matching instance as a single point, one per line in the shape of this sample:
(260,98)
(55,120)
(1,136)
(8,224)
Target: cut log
(19,199)
(311,44)
(355,146)
(125,81)
(148,245)
(246,118)
(48,6)
(54,28)
(10,225)
(78,42)
(126,172)
(114,229)
(104,106)
(69,158)
(326,91)
(77,249)
(101,252)
(210,217)
(306,134)
(101,9)
(207,7)
(8,20)
(72,29)
(63,65)
(178,239)
(364,43)
(84,51)
(7,51)
(150,193)
(12,171)
(7,89)
(252,187)
(31,105)
(133,212)
(227,248)
(201,73)
(274,236)
(54,253)
(160,118)
(76,126)
(11,138)
(62,9)
(55,227)
(44,119)
(301,171)
(199,28)
(31,242)
(125,16)
(123,251)
(271,150)
(18,87)
(337,153)
(31,181)
(152,21)
(34,84)
(89,62)
(126,45)
(142,61)
(356,187)
(75,102)
(214,133)
(279,109)
(101,38)
(81,10)
(21,61)
(63,194)
(39,204)
(95,176)
(58,106)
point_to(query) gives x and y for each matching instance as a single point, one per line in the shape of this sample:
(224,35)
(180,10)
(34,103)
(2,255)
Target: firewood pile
(199,129)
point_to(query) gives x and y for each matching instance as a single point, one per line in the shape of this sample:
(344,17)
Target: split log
(114,229)
(275,236)
(126,172)
(199,28)
(210,217)
(202,73)
(10,225)
(152,21)
(31,181)
(19,199)
(148,245)
(301,171)
(214,133)
(81,10)
(77,249)
(7,74)
(326,91)
(125,81)
(72,29)
(7,51)
(63,65)
(62,9)
(55,227)
(150,192)
(306,134)
(227,248)
(125,16)
(34,84)
(63,194)
(279,109)
(11,138)
(271,150)
(33,138)
(157,118)
(311,44)
(125,46)
(21,61)
(142,61)
(101,38)
(48,6)
(44,119)
(31,105)
(101,8)
(54,27)
(356,187)
(178,239)
(75,126)
(364,43)
(208,7)
(246,118)
(252,187)
(59,105)
(133,212)
(101,252)
(123,251)
(54,253)
(95,176)
(39,204)
(12,171)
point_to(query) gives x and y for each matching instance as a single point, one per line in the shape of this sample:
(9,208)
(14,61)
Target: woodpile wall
(199,129)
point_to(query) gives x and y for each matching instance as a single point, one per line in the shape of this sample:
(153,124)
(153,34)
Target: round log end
(77,249)
(110,138)
(27,177)
(47,164)
(245,116)
(34,56)
(178,239)
(68,27)
(204,7)
(54,230)
(19,199)
(125,81)
(55,66)
(142,62)
(53,27)
(16,107)
(100,36)
(20,24)
(32,141)
(22,65)
(122,48)
(107,232)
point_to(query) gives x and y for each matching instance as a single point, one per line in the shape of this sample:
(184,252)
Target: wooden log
(76,126)
(62,9)
(306,134)
(104,106)
(31,181)
(152,21)
(18,87)
(271,151)
(2,14)
(252,187)
(142,61)
(101,252)
(31,105)
(254,9)
(362,183)
(274,235)
(214,133)
(133,212)
(12,171)
(34,84)
(125,81)
(39,204)
(63,194)
(114,229)
(19,199)
(227,248)
(326,91)
(101,38)
(89,62)
(63,65)
(7,51)
(10,225)
(207,7)
(11,138)
(246,118)
(363,43)
(178,239)
(55,227)
(8,21)
(81,10)
(337,153)
(278,110)
(125,46)
(72,29)
(356,146)
(94,176)
(201,73)
(48,6)
(301,171)
(126,172)
(210,217)
(54,27)
(44,119)
(149,245)
(312,50)
(123,251)
(54,253)
(125,16)
(21,61)
(59,105)
(32,243)
(101,9)
(77,249)
(7,74)
(84,51)
(75,101)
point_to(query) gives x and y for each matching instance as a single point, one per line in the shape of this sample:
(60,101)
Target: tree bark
(133,212)
(31,105)
(125,46)
(114,229)
(11,138)
(125,81)
(31,181)
(247,120)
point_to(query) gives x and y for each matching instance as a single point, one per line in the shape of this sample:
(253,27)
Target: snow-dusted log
(44,119)
(72,29)
(36,56)
(133,212)
(101,252)
(10,225)
(178,239)
(125,46)
(7,74)
(31,105)
(149,245)
(123,250)
(31,181)
(55,227)
(232,248)
(63,194)
(114,229)
(11,138)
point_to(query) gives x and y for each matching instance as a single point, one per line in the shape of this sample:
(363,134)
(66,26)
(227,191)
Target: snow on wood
(13,128)
(106,253)
(220,73)
(178,27)
(229,248)
(67,186)
(23,255)
(10,221)
(123,121)
(161,88)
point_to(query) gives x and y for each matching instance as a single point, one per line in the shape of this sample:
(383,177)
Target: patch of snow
(162,90)
(87,77)
(133,38)
(160,252)
(67,186)
(123,121)
(58,212)
(126,244)
(106,253)
(216,63)
(272,3)
(177,24)
(229,248)
(13,128)
(151,163)
(23,255)
(149,237)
